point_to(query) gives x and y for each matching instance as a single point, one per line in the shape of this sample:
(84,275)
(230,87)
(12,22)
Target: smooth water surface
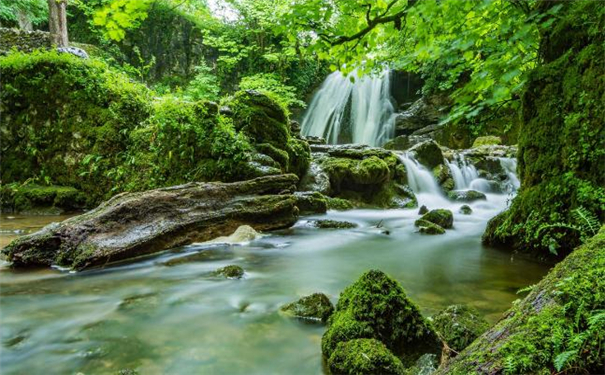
(167,315)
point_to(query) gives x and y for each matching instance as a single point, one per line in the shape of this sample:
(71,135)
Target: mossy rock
(375,306)
(427,227)
(362,357)
(333,224)
(37,199)
(459,325)
(465,210)
(423,210)
(428,153)
(311,202)
(442,217)
(230,272)
(317,306)
(466,195)
(488,140)
(339,204)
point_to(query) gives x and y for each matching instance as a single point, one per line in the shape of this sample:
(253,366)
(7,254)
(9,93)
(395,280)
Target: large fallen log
(133,224)
(558,328)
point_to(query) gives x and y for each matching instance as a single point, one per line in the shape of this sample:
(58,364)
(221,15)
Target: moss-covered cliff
(562,139)
(78,123)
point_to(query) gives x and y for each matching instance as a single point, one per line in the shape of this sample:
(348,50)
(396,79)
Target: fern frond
(563,358)
(588,221)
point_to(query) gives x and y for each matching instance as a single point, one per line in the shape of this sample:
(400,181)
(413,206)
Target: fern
(562,359)
(587,221)
(510,367)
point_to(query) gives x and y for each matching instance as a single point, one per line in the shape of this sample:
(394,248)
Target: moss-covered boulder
(40,200)
(423,210)
(562,137)
(311,202)
(317,307)
(364,356)
(426,227)
(366,176)
(459,325)
(428,153)
(465,209)
(376,307)
(466,195)
(266,124)
(442,217)
(333,224)
(487,140)
(230,272)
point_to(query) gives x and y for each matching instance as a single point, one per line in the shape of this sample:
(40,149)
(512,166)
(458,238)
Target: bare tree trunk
(57,22)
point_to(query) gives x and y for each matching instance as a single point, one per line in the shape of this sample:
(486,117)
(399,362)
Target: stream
(165,314)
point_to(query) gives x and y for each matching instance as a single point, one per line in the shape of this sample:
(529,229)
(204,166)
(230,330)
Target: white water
(362,107)
(422,182)
(463,173)
(510,167)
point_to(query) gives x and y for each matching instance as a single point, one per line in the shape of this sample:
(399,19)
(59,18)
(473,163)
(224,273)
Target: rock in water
(465,210)
(333,224)
(133,224)
(230,272)
(364,356)
(244,233)
(375,306)
(466,195)
(317,306)
(423,210)
(459,325)
(427,227)
(443,218)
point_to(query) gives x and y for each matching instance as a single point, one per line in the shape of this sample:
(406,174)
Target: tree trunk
(134,224)
(57,22)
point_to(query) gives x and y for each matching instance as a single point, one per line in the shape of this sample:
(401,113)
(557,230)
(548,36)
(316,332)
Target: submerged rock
(135,224)
(466,210)
(459,325)
(376,307)
(333,224)
(427,227)
(443,218)
(230,272)
(466,195)
(423,210)
(364,356)
(317,306)
(244,233)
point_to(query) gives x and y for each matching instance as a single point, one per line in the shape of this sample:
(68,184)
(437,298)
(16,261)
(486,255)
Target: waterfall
(510,167)
(420,179)
(362,107)
(463,173)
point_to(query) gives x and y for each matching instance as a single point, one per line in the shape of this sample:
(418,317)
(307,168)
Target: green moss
(558,328)
(465,210)
(487,140)
(426,227)
(311,202)
(339,204)
(562,138)
(364,356)
(375,306)
(317,306)
(443,218)
(459,325)
(33,198)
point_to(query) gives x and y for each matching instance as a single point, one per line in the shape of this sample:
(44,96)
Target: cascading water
(362,107)
(463,173)
(422,182)
(510,167)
